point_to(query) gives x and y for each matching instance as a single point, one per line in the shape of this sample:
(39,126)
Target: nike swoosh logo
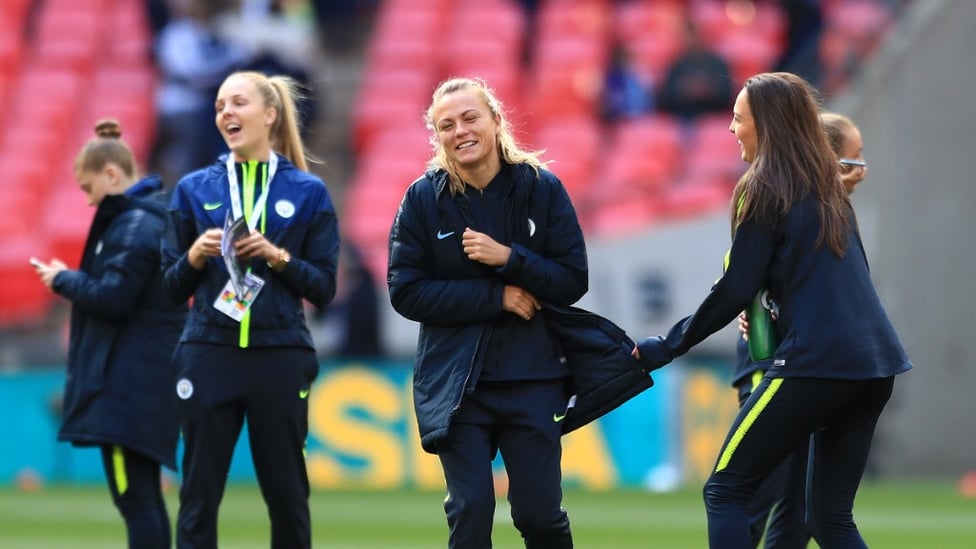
(303,394)
(557,418)
(442,236)
(212,205)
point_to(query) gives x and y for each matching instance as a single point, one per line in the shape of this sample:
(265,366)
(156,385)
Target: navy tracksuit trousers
(779,416)
(777,507)
(219,387)
(519,419)
(133,480)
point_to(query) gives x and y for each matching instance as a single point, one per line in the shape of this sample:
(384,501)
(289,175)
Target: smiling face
(467,131)
(244,119)
(744,127)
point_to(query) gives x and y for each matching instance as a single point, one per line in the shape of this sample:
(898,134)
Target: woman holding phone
(123,333)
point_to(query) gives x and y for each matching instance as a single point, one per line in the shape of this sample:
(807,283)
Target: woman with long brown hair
(794,234)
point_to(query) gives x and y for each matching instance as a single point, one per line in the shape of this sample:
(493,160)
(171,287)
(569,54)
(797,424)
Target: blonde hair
(283,94)
(508,148)
(107,147)
(836,126)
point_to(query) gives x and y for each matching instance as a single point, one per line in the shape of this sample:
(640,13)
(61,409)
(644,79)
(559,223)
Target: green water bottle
(762,335)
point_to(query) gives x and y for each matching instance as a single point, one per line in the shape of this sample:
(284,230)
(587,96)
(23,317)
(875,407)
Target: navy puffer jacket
(433,282)
(120,387)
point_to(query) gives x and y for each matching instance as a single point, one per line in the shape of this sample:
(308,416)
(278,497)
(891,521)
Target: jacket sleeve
(312,271)
(180,279)
(130,258)
(415,291)
(752,251)
(559,274)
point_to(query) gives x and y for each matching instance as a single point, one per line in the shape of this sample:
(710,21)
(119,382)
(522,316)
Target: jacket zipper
(474,357)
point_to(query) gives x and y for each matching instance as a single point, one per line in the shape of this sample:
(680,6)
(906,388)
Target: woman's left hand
(255,245)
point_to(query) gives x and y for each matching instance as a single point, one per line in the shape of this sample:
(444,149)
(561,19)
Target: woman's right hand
(744,325)
(206,245)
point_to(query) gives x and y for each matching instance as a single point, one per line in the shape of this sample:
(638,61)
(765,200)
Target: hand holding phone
(853,162)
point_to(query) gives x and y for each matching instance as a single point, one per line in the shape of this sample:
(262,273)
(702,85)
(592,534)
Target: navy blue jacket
(831,323)
(120,387)
(299,217)
(457,301)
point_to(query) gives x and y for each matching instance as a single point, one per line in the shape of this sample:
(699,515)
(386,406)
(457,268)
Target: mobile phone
(37,263)
(852,162)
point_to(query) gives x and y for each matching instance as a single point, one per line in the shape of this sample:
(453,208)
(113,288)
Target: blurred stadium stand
(63,65)
(547,67)
(66,63)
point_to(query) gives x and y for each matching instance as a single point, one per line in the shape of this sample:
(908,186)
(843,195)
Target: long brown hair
(508,148)
(793,160)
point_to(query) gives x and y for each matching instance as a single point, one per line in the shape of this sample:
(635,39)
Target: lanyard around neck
(235,192)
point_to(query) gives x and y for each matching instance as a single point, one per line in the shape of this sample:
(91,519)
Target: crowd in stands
(629,98)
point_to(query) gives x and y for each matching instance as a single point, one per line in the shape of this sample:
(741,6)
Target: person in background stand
(795,234)
(697,82)
(480,242)
(246,352)
(780,498)
(349,328)
(626,92)
(192,61)
(123,333)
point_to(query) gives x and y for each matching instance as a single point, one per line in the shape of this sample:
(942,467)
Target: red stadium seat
(390,99)
(655,53)
(46,98)
(635,20)
(125,94)
(21,206)
(64,221)
(762,20)
(587,18)
(23,298)
(748,54)
(131,44)
(696,196)
(623,216)
(856,18)
(497,20)
(11,47)
(567,77)
(644,156)
(20,162)
(573,145)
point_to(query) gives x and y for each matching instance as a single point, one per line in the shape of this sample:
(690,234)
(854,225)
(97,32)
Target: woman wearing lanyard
(246,351)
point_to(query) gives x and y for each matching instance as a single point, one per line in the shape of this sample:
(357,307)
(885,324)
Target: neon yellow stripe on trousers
(118,465)
(747,422)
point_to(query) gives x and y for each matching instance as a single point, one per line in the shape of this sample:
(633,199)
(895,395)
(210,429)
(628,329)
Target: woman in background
(124,330)
(795,234)
(777,508)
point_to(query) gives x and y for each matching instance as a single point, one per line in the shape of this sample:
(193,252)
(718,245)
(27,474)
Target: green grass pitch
(891,515)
